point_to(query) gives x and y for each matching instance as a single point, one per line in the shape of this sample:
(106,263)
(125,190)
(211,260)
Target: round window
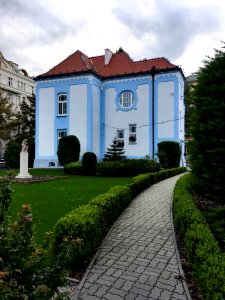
(126,99)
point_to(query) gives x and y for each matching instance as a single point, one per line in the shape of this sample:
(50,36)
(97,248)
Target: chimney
(108,55)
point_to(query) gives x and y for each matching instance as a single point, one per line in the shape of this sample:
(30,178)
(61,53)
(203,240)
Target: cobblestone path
(138,259)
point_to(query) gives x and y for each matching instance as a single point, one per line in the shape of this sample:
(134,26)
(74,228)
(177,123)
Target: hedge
(203,252)
(90,222)
(126,167)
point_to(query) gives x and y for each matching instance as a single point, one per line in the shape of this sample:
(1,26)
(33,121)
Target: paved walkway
(138,259)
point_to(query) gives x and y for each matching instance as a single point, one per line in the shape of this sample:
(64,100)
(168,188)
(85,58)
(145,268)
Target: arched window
(62,104)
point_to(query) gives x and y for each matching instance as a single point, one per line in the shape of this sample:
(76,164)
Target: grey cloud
(49,27)
(172,25)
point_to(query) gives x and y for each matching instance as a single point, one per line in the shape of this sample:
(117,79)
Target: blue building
(102,97)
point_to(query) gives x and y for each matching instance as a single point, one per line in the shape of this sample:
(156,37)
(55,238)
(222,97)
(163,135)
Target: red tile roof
(120,65)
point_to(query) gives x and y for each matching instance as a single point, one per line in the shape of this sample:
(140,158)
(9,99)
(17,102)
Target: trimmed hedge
(90,222)
(126,167)
(204,255)
(74,168)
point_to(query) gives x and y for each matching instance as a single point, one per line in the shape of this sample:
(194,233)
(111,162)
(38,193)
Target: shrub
(169,153)
(74,168)
(86,225)
(68,149)
(126,168)
(12,155)
(89,163)
(25,271)
(207,262)
(139,184)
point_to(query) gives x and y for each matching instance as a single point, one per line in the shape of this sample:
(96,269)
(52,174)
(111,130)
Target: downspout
(153,72)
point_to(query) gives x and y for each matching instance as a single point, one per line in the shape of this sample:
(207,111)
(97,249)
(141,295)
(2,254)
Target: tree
(208,128)
(68,149)
(26,130)
(114,152)
(8,118)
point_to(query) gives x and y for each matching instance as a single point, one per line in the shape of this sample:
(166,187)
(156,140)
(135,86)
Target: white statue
(24,145)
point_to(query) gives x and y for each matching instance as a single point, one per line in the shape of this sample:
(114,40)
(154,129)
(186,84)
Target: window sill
(59,116)
(132,143)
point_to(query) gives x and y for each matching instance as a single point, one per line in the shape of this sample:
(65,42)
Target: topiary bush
(169,154)
(89,163)
(12,155)
(68,149)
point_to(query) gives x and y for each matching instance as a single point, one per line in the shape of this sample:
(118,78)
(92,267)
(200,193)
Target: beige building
(15,84)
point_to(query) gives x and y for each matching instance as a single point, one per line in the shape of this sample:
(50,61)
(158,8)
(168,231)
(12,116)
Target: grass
(51,200)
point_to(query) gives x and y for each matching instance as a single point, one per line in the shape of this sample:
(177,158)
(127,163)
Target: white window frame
(61,133)
(126,99)
(120,134)
(62,104)
(10,81)
(132,133)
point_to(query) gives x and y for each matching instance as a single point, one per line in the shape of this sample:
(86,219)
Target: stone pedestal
(24,166)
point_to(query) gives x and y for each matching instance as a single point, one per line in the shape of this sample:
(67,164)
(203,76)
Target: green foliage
(215,218)
(8,120)
(208,127)
(139,183)
(89,163)
(25,271)
(89,223)
(207,262)
(73,168)
(12,154)
(169,153)
(68,149)
(114,152)
(127,167)
(26,117)
(82,224)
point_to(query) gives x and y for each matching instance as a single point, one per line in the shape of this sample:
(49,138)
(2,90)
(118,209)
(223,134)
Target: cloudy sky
(38,34)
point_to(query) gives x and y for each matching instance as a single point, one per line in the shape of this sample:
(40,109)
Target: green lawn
(51,200)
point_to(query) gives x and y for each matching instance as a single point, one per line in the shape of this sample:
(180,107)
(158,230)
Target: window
(120,138)
(132,133)
(62,104)
(10,81)
(120,134)
(126,99)
(61,133)
(10,97)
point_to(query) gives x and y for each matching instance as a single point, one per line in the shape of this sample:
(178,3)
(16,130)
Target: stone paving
(138,259)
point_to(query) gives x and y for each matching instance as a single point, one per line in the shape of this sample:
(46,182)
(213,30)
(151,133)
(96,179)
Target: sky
(39,34)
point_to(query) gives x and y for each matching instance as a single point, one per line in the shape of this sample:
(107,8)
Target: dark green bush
(74,168)
(89,163)
(205,257)
(139,184)
(68,149)
(126,168)
(111,204)
(169,154)
(84,224)
(12,155)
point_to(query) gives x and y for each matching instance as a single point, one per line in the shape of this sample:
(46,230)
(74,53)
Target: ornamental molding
(126,80)
(67,79)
